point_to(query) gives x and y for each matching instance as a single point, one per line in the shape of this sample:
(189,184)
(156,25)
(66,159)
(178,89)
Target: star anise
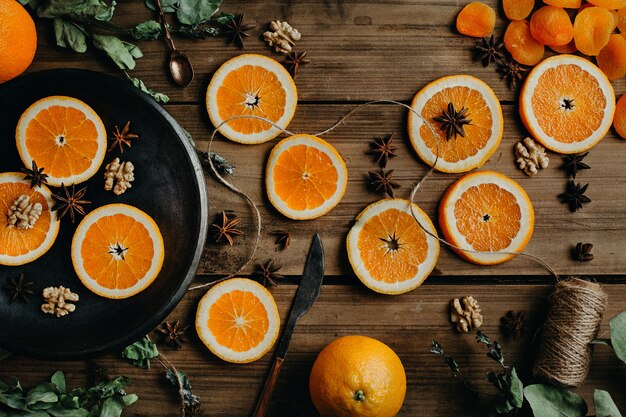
(573,163)
(283,238)
(267,273)
(35,175)
(489,50)
(582,252)
(513,324)
(19,287)
(574,196)
(237,30)
(71,202)
(381,181)
(173,333)
(122,138)
(453,121)
(227,229)
(511,71)
(383,149)
(294,60)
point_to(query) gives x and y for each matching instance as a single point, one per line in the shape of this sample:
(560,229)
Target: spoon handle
(168,37)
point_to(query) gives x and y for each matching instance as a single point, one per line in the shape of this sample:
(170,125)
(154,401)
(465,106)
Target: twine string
(414,190)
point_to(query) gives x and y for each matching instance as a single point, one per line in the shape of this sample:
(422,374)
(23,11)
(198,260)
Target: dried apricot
(615,18)
(551,26)
(612,58)
(521,44)
(476,19)
(567,4)
(621,19)
(609,4)
(569,48)
(619,119)
(518,9)
(592,28)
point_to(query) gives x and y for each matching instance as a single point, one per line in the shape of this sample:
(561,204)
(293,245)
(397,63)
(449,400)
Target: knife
(307,293)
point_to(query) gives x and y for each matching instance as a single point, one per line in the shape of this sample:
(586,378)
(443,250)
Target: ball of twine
(573,322)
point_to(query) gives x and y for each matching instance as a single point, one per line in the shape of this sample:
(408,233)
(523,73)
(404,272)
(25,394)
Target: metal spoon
(180,66)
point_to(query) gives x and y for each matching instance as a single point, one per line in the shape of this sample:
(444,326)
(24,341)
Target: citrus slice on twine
(486,212)
(567,104)
(238,320)
(387,248)
(305,177)
(461,121)
(254,85)
(66,138)
(22,244)
(117,251)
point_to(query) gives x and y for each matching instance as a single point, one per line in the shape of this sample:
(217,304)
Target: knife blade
(307,293)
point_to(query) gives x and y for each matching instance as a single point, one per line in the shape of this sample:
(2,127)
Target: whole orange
(357,376)
(18,39)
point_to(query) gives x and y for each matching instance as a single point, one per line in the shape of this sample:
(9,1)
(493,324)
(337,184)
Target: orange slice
(19,246)
(65,136)
(486,212)
(117,251)
(238,320)
(388,250)
(256,85)
(305,177)
(567,104)
(481,136)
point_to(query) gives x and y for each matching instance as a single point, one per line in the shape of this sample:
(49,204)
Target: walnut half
(282,36)
(530,156)
(56,301)
(118,176)
(466,314)
(22,214)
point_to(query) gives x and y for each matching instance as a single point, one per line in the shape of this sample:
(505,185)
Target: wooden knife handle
(270,383)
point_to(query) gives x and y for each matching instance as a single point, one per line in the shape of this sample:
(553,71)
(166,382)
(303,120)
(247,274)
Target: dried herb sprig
(267,273)
(227,229)
(582,252)
(489,50)
(35,175)
(381,181)
(221,164)
(71,202)
(574,196)
(294,61)
(172,333)
(383,149)
(237,30)
(574,163)
(453,121)
(283,238)
(18,287)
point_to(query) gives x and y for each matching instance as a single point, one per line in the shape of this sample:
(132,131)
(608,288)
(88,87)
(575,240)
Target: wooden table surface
(363,51)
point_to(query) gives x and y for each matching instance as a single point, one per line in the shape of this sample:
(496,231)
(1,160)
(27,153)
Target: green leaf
(140,352)
(95,8)
(550,401)
(69,35)
(618,335)
(224,18)
(516,390)
(42,396)
(58,379)
(189,399)
(159,97)
(148,30)
(604,405)
(4,354)
(122,53)
(59,411)
(169,6)
(100,10)
(192,12)
(33,4)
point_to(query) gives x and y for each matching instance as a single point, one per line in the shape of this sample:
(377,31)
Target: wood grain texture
(407,323)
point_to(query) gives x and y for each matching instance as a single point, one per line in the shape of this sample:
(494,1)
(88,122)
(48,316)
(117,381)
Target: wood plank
(556,229)
(406,323)
(359,50)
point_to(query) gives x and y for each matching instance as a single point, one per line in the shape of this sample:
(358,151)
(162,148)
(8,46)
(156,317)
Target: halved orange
(20,246)
(567,104)
(66,138)
(305,177)
(387,248)
(256,85)
(477,141)
(238,320)
(117,251)
(486,212)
